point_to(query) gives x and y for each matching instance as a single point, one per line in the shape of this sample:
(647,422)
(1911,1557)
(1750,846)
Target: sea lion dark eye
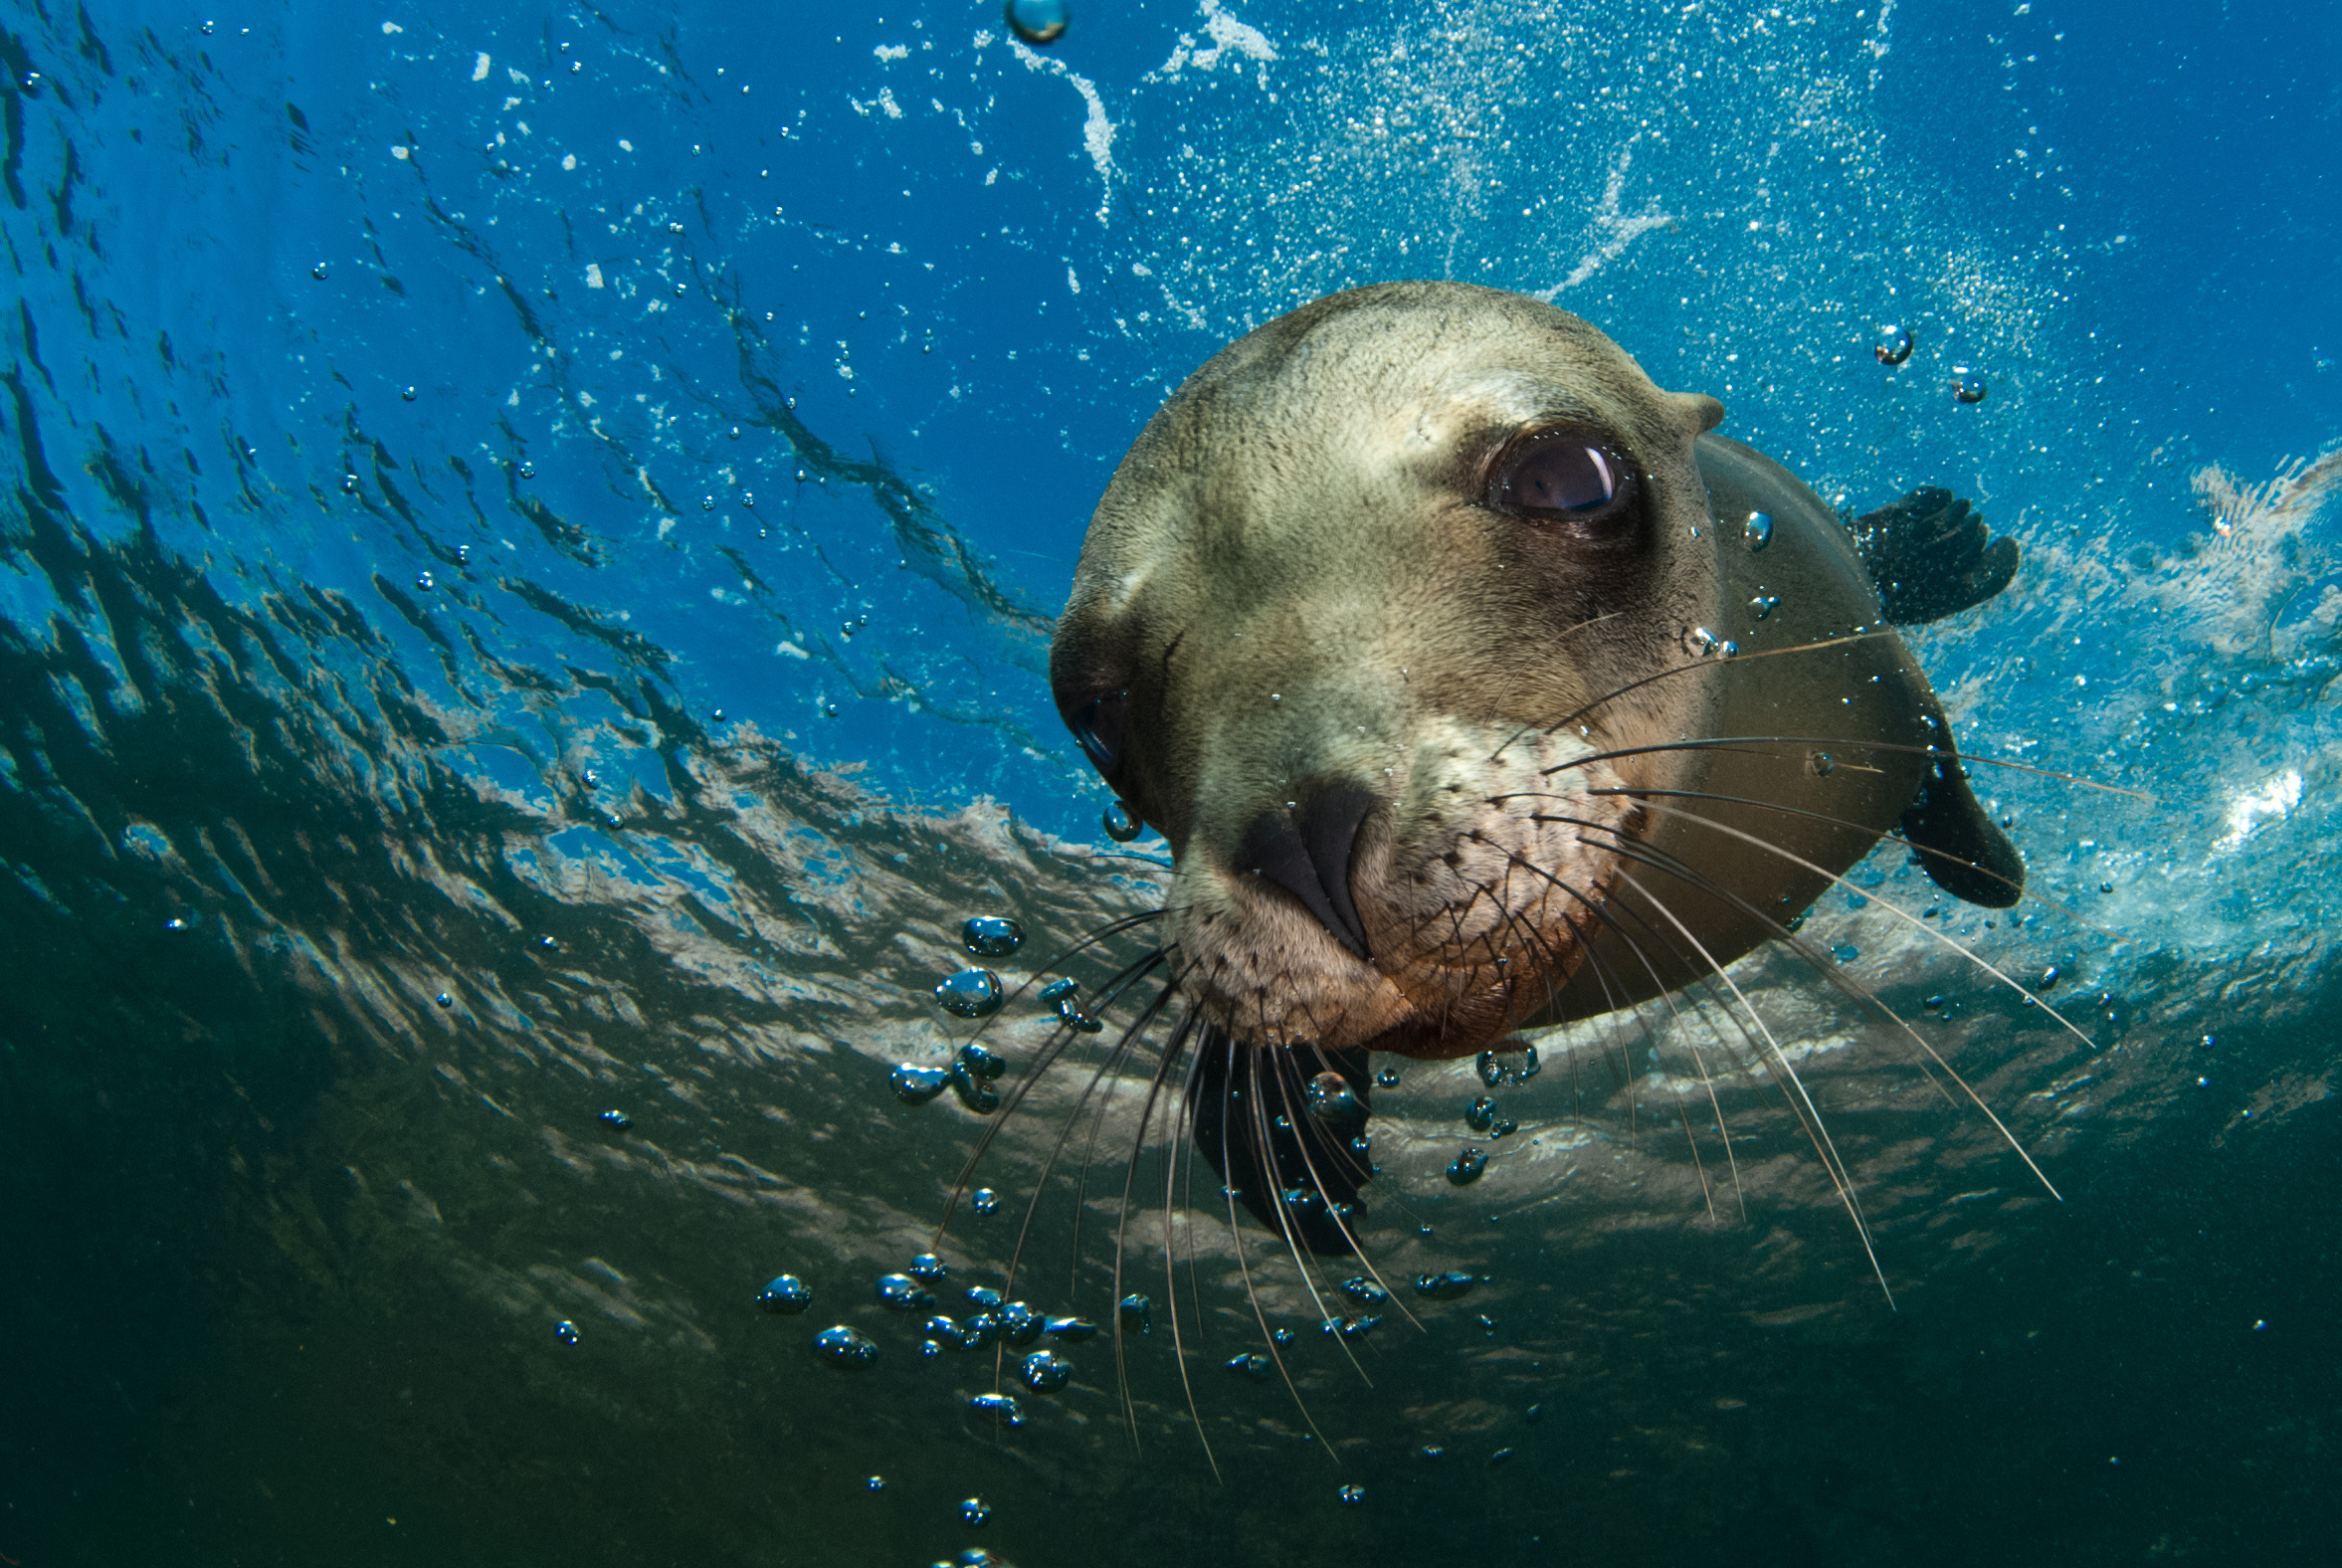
(1567,477)
(1100,725)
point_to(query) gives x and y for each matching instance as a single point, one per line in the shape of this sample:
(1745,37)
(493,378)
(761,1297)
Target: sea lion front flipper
(1930,555)
(1249,1114)
(1965,852)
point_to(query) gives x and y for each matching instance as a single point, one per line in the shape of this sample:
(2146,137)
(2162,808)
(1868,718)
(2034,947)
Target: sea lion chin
(1445,651)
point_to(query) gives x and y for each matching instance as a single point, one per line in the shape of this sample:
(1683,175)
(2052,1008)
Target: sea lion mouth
(1427,919)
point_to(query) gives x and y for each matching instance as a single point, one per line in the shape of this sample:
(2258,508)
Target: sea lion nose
(1306,851)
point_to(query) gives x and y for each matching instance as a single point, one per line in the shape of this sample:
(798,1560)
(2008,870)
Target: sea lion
(1475,684)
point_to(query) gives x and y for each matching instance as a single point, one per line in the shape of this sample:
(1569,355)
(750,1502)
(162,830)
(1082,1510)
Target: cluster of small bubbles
(1252,1364)
(1467,1167)
(1967,385)
(1758,530)
(1332,1098)
(463,555)
(1360,1326)
(566,1333)
(1894,344)
(971,993)
(1350,1494)
(846,1347)
(1137,1313)
(902,1294)
(785,1296)
(617,1121)
(972,1070)
(929,1269)
(991,935)
(1388,1077)
(1845,952)
(1044,1371)
(915,1085)
(1121,823)
(423,581)
(984,1200)
(318,272)
(1001,1407)
(1762,604)
(1364,1292)
(1446,1286)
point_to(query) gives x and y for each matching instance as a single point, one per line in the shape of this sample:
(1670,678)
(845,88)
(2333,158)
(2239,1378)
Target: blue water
(662,683)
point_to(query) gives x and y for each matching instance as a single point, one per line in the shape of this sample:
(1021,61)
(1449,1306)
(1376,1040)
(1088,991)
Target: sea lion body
(1403,620)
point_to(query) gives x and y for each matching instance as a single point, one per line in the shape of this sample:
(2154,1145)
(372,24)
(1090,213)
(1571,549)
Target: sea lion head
(1352,622)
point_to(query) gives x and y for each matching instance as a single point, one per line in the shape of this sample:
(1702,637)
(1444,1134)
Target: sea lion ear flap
(1700,412)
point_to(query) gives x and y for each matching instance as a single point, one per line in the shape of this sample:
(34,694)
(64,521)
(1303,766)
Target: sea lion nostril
(1308,856)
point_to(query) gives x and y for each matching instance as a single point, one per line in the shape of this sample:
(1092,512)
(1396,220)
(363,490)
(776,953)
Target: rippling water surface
(530,544)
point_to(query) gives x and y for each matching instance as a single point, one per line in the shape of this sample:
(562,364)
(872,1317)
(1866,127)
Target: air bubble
(1020,1325)
(1039,21)
(1072,1330)
(1253,1365)
(786,1295)
(1001,1407)
(318,272)
(1388,1077)
(408,394)
(1447,1286)
(423,581)
(971,993)
(566,1333)
(1044,1371)
(1892,346)
(902,1294)
(1757,532)
(917,1086)
(846,1347)
(1121,823)
(984,1200)
(1137,1313)
(1820,763)
(1967,385)
(1332,1098)
(1350,1495)
(974,1511)
(528,471)
(617,1120)
(1762,604)
(1467,1167)
(929,1269)
(1479,1113)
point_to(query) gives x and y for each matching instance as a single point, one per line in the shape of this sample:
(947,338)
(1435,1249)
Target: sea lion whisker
(1179,1136)
(1710,663)
(1947,940)
(1666,996)
(1286,1064)
(1146,1113)
(1816,1128)
(1060,1038)
(1890,838)
(1282,1206)
(1245,1267)
(1901,748)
